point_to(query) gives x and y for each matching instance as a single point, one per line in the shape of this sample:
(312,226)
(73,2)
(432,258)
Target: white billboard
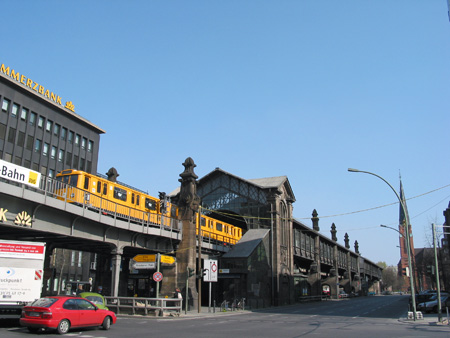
(19,174)
(20,285)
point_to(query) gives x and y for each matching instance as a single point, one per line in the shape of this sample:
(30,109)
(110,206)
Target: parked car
(342,294)
(95,298)
(425,297)
(432,304)
(63,313)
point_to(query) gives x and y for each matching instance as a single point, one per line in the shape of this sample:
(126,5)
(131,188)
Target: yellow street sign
(167,259)
(152,258)
(144,258)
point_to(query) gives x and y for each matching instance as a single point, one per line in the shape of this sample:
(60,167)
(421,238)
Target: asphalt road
(376,316)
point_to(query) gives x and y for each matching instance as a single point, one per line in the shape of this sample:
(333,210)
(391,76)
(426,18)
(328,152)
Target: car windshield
(95,299)
(44,302)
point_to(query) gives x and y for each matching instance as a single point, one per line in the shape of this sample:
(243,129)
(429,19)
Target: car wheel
(63,326)
(106,323)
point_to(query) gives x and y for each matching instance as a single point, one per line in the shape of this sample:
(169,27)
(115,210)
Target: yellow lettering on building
(4,70)
(15,75)
(3,214)
(33,85)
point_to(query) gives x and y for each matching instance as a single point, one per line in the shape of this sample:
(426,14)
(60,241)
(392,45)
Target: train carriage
(119,200)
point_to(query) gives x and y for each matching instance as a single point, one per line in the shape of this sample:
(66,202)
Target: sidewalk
(428,319)
(205,312)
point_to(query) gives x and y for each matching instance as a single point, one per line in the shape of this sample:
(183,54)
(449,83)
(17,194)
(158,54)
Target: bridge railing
(52,188)
(143,306)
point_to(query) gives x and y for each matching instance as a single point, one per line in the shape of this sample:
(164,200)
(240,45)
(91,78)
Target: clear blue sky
(259,88)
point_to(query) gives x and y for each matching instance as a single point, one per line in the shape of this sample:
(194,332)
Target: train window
(132,198)
(105,189)
(120,194)
(73,180)
(99,187)
(86,182)
(150,204)
(138,198)
(219,226)
(202,221)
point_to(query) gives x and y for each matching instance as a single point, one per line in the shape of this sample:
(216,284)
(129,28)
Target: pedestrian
(179,296)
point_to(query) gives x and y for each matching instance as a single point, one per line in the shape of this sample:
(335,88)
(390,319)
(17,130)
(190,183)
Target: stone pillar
(116,261)
(315,220)
(188,204)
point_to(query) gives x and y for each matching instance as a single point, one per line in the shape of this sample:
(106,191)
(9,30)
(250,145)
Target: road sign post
(211,269)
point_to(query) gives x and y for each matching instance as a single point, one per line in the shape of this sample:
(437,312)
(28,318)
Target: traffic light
(162,202)
(202,273)
(190,272)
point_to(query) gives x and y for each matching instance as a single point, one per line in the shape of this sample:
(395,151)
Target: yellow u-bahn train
(113,198)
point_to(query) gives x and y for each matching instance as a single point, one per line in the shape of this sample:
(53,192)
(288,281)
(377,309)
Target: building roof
(247,244)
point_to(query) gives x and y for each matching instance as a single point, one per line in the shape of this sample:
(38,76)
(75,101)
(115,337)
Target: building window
(14,110)
(8,157)
(35,167)
(80,258)
(5,105)
(27,164)
(48,126)
(69,159)
(45,150)
(90,146)
(18,160)
(75,161)
(24,114)
(21,139)
(82,163)
(41,122)
(56,129)
(37,146)
(63,133)
(12,135)
(32,118)
(61,155)
(2,131)
(77,139)
(51,173)
(72,260)
(83,143)
(70,136)
(29,144)
(53,154)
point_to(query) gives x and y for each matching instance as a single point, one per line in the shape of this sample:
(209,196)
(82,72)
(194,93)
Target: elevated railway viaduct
(298,260)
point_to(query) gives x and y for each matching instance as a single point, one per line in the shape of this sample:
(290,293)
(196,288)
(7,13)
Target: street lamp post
(405,211)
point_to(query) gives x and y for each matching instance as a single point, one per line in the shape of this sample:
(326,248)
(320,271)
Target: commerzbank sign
(33,85)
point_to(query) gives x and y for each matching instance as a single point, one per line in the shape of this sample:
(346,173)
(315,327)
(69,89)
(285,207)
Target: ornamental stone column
(188,204)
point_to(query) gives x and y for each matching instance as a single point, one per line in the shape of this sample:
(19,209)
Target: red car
(63,313)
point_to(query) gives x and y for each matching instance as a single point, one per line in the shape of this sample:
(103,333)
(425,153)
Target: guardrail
(143,306)
(303,299)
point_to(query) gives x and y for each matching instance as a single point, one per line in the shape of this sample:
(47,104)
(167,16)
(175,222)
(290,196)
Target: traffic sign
(167,259)
(211,267)
(144,258)
(157,276)
(143,265)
